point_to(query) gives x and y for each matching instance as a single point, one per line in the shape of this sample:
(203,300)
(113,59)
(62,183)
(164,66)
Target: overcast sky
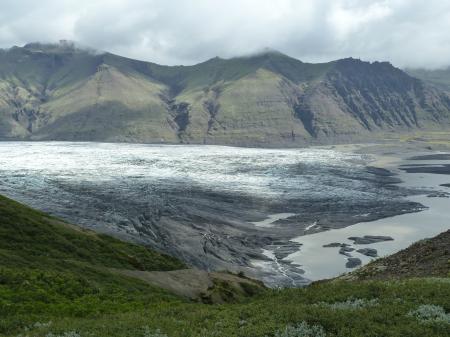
(408,33)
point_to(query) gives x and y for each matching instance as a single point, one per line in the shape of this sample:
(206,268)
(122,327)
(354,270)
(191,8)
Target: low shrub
(156,333)
(65,334)
(429,313)
(301,330)
(351,304)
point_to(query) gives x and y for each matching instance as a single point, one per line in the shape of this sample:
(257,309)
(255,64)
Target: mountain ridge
(62,92)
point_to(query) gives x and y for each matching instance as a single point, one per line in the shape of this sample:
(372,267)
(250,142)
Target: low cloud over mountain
(411,33)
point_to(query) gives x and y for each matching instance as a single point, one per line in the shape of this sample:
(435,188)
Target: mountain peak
(266,53)
(269,52)
(60,47)
(40,46)
(358,61)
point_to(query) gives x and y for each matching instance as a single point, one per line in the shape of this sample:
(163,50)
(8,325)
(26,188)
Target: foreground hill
(49,266)
(31,239)
(60,92)
(58,280)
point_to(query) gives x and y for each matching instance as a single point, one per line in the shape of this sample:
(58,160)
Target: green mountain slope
(56,280)
(65,93)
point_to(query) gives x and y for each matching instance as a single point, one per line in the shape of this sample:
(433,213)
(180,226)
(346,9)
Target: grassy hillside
(56,280)
(33,239)
(60,92)
(49,268)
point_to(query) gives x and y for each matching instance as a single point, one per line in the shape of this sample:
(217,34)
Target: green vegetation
(430,314)
(301,330)
(48,267)
(264,315)
(56,280)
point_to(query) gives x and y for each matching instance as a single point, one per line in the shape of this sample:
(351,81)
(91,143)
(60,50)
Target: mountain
(59,280)
(62,92)
(438,77)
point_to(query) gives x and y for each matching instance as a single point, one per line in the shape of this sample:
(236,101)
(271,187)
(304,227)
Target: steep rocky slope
(65,93)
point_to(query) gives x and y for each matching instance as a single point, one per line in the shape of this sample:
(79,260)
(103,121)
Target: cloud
(409,33)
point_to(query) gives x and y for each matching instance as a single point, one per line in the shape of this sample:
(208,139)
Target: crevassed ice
(270,171)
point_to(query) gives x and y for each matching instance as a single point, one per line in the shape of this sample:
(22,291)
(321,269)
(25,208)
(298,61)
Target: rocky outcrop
(353,262)
(372,252)
(368,239)
(199,285)
(345,250)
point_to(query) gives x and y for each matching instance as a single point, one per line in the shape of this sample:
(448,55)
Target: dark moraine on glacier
(215,207)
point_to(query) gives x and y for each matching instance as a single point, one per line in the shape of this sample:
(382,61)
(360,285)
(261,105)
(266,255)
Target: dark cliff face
(377,95)
(63,92)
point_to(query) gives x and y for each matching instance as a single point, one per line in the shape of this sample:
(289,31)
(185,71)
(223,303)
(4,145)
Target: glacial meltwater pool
(320,262)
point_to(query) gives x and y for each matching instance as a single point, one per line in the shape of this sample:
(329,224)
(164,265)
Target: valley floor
(209,205)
